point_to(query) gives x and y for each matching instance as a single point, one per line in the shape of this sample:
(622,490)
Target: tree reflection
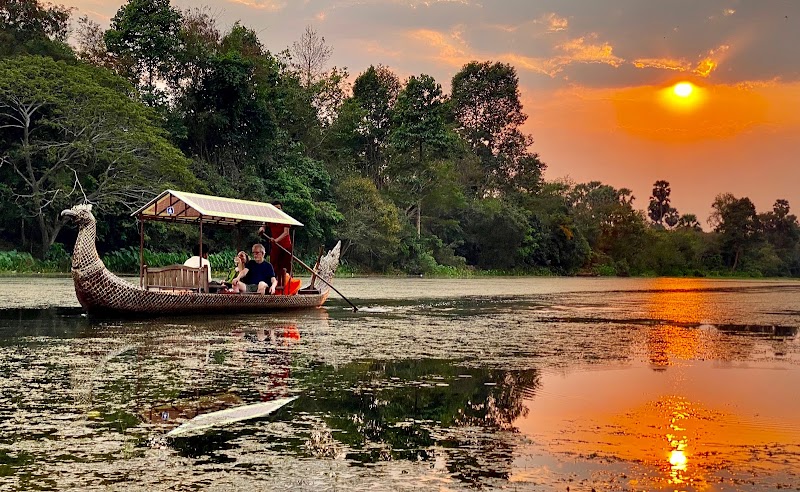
(146,377)
(414,409)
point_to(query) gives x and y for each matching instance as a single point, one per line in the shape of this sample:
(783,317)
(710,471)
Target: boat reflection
(160,375)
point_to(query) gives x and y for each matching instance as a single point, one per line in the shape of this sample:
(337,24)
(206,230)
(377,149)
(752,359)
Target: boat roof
(189,208)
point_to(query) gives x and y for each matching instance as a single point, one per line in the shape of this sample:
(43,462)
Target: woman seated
(239,261)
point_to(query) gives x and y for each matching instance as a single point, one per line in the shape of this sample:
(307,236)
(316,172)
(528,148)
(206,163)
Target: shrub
(14,261)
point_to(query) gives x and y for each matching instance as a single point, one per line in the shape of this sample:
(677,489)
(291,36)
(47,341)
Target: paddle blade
(229,416)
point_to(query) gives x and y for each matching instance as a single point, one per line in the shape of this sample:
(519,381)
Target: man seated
(195,261)
(257,274)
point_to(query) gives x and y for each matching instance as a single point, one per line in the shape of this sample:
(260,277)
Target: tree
(782,231)
(365,121)
(228,110)
(659,210)
(326,89)
(557,242)
(496,234)
(309,56)
(488,113)
(201,41)
(91,44)
(605,216)
(419,129)
(689,221)
(144,35)
(29,27)
(371,226)
(736,222)
(70,132)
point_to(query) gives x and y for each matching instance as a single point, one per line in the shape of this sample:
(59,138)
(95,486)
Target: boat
(101,292)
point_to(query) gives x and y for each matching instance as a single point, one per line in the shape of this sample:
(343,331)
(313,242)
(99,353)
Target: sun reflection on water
(665,430)
(678,442)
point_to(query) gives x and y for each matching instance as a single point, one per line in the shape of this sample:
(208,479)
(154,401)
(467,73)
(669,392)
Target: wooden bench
(175,277)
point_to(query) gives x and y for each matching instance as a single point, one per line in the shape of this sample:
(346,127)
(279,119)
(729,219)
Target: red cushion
(293,287)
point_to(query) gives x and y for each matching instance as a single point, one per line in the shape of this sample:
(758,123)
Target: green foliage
(144,37)
(659,210)
(77,135)
(371,226)
(496,233)
(126,260)
(368,116)
(14,261)
(411,179)
(737,224)
(56,260)
(305,191)
(488,112)
(29,27)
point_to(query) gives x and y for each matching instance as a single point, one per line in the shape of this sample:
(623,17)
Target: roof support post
(200,254)
(141,250)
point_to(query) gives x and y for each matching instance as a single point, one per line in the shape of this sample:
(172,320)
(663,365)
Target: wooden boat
(101,292)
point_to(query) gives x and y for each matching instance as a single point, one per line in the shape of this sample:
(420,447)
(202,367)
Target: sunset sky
(596,79)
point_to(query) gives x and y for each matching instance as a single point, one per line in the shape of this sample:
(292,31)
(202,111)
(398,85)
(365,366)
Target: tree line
(410,178)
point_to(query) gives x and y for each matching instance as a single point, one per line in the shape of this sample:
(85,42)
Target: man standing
(256,275)
(281,251)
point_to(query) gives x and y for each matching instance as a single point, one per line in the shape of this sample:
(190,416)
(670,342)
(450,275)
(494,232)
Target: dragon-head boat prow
(89,273)
(328,265)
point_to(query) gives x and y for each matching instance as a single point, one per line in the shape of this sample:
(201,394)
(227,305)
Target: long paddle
(298,260)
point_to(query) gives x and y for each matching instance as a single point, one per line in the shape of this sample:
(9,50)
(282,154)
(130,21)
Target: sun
(683,89)
(682,96)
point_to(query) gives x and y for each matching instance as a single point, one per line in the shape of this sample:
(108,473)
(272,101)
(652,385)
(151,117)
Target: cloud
(447,49)
(579,51)
(663,64)
(427,3)
(547,66)
(553,22)
(710,63)
(451,49)
(268,5)
(703,68)
(376,48)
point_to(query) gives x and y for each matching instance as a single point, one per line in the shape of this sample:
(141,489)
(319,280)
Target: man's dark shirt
(258,272)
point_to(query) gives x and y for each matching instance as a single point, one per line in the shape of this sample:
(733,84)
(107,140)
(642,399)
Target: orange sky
(592,76)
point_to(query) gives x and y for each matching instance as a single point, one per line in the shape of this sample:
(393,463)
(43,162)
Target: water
(502,383)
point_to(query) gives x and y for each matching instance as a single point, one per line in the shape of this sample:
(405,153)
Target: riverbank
(126,262)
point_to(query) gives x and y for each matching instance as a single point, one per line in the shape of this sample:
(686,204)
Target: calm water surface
(502,383)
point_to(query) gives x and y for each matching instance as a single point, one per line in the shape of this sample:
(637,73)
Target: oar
(320,277)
